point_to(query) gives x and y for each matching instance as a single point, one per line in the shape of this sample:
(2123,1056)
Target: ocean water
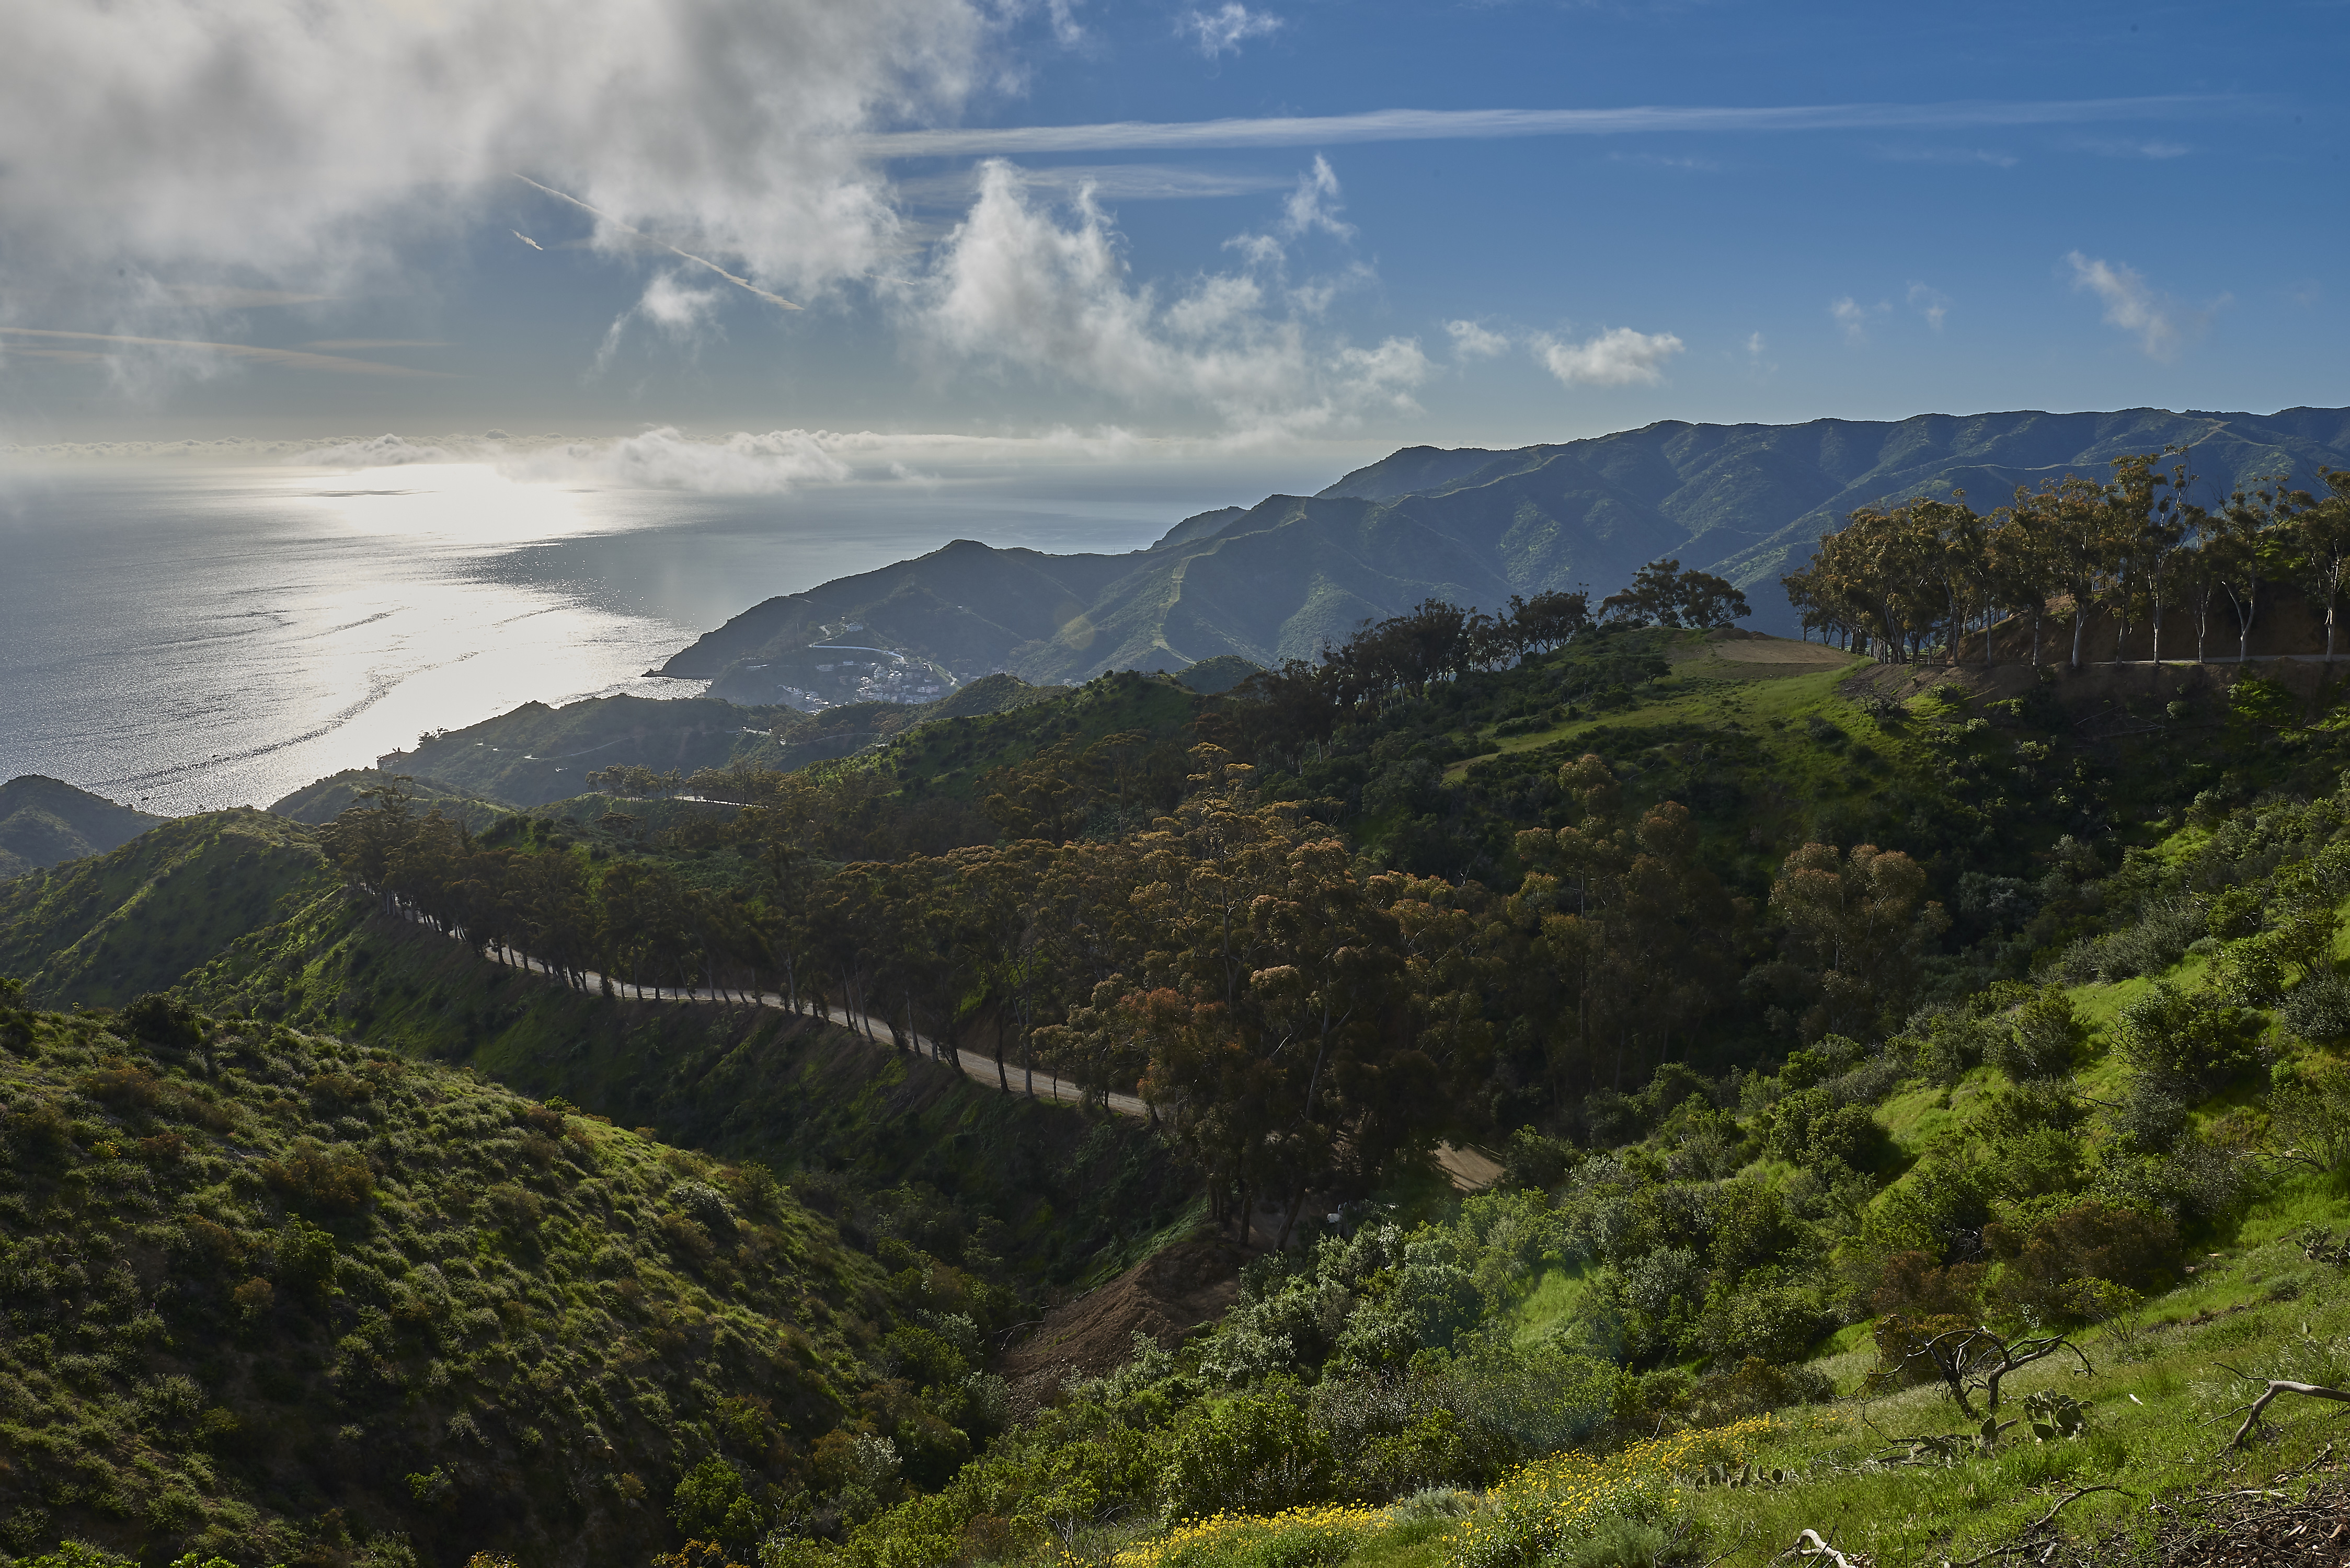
(188,638)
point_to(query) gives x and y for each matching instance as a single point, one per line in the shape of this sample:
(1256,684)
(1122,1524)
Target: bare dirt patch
(1166,1296)
(1731,653)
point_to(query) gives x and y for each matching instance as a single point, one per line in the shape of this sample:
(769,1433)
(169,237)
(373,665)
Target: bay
(186,638)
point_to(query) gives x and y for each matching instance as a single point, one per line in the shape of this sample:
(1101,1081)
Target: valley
(1564,1085)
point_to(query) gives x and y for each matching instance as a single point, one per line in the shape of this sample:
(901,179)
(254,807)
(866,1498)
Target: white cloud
(1223,30)
(1982,155)
(380,451)
(1315,203)
(1459,124)
(681,316)
(1015,287)
(666,458)
(279,149)
(1618,356)
(1108,182)
(2112,146)
(1854,318)
(2160,322)
(1470,341)
(1755,346)
(1931,303)
(126,353)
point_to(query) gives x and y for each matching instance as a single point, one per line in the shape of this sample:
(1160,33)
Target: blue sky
(1984,207)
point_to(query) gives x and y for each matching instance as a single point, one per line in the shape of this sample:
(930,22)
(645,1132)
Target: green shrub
(2318,1009)
(711,1503)
(2042,1267)
(2193,1037)
(319,1180)
(161,1019)
(1251,1453)
(2041,1038)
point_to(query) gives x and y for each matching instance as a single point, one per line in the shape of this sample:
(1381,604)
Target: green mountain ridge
(45,822)
(1279,580)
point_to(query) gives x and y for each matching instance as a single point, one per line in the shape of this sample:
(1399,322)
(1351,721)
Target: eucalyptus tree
(2322,544)
(2248,543)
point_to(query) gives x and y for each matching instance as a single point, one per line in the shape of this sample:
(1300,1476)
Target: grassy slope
(514,1340)
(322,802)
(44,822)
(101,933)
(2163,1400)
(538,753)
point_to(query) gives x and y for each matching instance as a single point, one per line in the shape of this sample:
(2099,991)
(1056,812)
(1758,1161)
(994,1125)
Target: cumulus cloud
(378,451)
(1222,31)
(1618,356)
(1470,341)
(283,150)
(2159,322)
(1017,287)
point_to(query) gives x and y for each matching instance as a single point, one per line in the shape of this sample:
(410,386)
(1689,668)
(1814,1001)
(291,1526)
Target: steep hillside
(1057,1196)
(102,931)
(322,802)
(1279,580)
(537,753)
(971,1170)
(2066,1246)
(275,1298)
(44,822)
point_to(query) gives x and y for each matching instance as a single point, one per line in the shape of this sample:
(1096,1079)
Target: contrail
(741,283)
(1439,125)
(525,238)
(287,357)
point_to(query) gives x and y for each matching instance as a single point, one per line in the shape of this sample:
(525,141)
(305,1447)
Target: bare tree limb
(2277,1385)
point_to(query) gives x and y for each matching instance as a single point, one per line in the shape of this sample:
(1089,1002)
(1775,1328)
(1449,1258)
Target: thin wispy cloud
(1618,356)
(1854,318)
(1315,204)
(1989,157)
(222,296)
(1471,124)
(1931,303)
(2161,324)
(1107,181)
(1223,30)
(2126,146)
(83,346)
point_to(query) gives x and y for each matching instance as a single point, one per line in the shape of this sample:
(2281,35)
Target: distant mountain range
(1276,580)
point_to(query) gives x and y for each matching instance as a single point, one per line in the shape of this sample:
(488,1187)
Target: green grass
(1553,1303)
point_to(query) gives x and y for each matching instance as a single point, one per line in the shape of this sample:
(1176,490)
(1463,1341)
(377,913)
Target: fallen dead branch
(2274,1387)
(2022,1542)
(1809,1548)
